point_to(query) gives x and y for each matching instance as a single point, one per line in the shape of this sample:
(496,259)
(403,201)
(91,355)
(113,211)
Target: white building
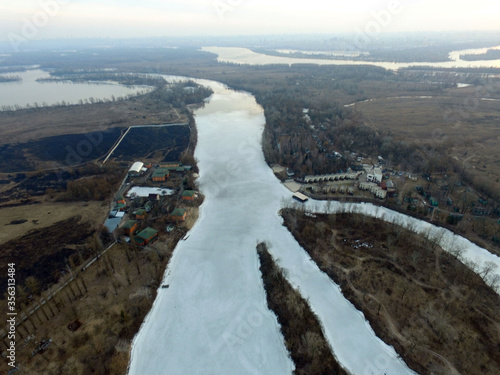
(375,176)
(135,169)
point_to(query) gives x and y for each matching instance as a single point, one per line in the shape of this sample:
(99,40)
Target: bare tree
(486,269)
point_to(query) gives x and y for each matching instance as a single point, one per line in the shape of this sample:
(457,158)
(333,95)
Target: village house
(140,214)
(389,187)
(331,177)
(179,214)
(146,236)
(381,194)
(368,186)
(129,227)
(188,195)
(169,165)
(154,197)
(160,174)
(121,207)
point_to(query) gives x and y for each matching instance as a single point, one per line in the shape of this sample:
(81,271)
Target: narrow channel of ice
(472,255)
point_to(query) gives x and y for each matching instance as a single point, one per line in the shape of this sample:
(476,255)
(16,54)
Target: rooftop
(188,193)
(136,167)
(147,233)
(179,212)
(160,172)
(129,224)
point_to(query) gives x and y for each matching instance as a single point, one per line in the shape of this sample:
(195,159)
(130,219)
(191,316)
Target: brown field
(45,214)
(32,124)
(438,314)
(449,122)
(109,300)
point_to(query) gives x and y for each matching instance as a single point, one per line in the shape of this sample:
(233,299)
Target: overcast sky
(44,19)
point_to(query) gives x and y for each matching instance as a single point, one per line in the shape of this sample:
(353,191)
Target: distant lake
(238,55)
(29,91)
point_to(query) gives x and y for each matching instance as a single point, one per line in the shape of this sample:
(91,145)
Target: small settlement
(355,182)
(152,200)
(376,181)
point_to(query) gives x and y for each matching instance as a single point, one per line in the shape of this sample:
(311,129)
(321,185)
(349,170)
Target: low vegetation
(93,319)
(41,255)
(304,338)
(491,54)
(9,78)
(439,315)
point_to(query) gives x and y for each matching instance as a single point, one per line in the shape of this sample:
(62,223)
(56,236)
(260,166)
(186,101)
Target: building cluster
(147,201)
(363,176)
(332,177)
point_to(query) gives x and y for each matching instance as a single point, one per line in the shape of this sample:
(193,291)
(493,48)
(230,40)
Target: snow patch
(138,191)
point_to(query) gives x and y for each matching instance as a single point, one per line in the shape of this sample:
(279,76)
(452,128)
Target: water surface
(239,55)
(30,91)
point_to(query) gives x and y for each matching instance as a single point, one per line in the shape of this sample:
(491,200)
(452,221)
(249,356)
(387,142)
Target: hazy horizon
(52,19)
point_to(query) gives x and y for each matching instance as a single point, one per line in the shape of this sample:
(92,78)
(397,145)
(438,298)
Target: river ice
(213,318)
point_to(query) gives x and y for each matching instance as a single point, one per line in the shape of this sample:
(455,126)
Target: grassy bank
(437,313)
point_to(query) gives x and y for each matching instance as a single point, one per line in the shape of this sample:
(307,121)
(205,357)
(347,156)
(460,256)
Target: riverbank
(438,314)
(214,282)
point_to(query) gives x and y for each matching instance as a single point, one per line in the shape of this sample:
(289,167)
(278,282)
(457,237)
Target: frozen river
(213,318)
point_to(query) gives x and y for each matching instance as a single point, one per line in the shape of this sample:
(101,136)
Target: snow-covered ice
(213,318)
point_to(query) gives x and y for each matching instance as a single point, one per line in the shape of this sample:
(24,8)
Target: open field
(438,314)
(92,321)
(41,256)
(45,214)
(33,124)
(470,135)
(164,142)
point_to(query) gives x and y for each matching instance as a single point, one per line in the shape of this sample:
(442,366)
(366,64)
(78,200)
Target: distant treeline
(104,76)
(421,54)
(99,58)
(491,54)
(10,79)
